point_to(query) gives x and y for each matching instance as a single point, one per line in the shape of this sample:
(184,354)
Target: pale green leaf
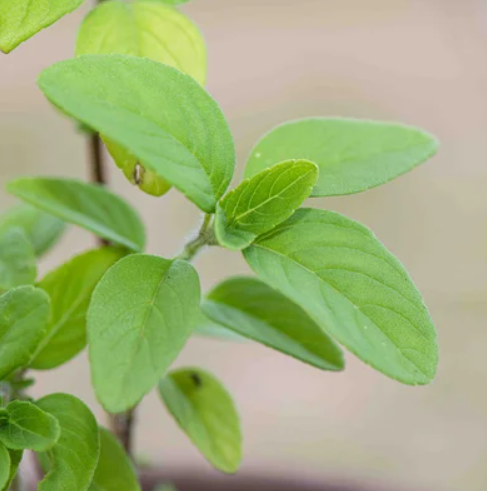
(87,205)
(254,310)
(157,32)
(21,19)
(260,203)
(17,259)
(114,471)
(206,413)
(208,328)
(354,288)
(43,230)
(160,115)
(75,456)
(352,155)
(24,426)
(24,314)
(4,466)
(141,315)
(70,288)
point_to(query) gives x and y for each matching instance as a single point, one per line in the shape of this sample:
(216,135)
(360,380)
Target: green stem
(205,237)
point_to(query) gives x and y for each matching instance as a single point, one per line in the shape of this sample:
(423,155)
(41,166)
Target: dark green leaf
(260,203)
(141,315)
(43,230)
(75,457)
(24,314)
(25,426)
(206,413)
(114,471)
(352,155)
(254,310)
(21,19)
(70,287)
(90,206)
(160,115)
(17,259)
(354,288)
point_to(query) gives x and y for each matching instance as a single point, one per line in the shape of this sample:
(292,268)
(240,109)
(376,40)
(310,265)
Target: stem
(204,238)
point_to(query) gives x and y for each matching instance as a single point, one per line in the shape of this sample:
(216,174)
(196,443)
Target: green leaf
(115,471)
(354,288)
(209,328)
(70,287)
(90,206)
(157,32)
(4,466)
(43,230)
(25,426)
(254,310)
(160,115)
(75,456)
(15,459)
(260,203)
(206,413)
(21,19)
(17,259)
(141,315)
(24,314)
(352,155)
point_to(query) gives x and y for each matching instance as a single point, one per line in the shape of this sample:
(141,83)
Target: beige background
(421,62)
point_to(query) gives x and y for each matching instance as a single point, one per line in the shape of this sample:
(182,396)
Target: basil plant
(318,282)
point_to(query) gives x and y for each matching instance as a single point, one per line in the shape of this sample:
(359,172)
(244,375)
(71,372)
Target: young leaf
(75,456)
(4,466)
(21,19)
(15,459)
(254,310)
(158,32)
(352,155)
(70,288)
(24,314)
(25,426)
(141,315)
(90,206)
(160,115)
(206,413)
(114,471)
(17,259)
(43,230)
(353,287)
(260,203)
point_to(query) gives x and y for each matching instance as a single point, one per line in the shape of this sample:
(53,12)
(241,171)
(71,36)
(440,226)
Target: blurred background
(421,62)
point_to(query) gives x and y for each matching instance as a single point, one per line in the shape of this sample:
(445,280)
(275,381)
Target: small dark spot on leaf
(196,379)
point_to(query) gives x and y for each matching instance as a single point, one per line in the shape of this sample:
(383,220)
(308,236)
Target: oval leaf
(160,115)
(141,315)
(254,310)
(353,287)
(260,203)
(158,32)
(43,230)
(75,456)
(352,155)
(24,314)
(17,259)
(206,413)
(25,426)
(21,19)
(87,205)
(114,471)
(70,288)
